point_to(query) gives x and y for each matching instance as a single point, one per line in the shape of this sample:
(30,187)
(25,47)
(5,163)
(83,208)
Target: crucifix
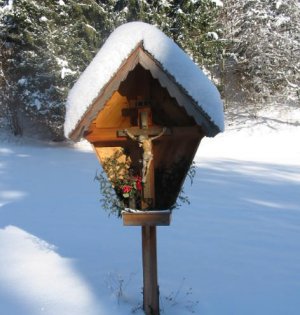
(145,135)
(145,142)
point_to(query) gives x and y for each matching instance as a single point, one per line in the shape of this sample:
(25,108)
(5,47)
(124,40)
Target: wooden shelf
(147,218)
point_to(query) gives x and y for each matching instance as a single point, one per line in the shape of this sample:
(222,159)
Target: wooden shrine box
(152,88)
(143,103)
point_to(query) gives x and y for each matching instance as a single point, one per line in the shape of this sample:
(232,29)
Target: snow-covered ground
(234,250)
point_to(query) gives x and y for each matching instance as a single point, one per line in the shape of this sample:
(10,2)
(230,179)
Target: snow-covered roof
(164,50)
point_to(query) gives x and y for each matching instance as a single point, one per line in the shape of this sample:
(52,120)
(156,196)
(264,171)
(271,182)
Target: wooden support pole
(151,290)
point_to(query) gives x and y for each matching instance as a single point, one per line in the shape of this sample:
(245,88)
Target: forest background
(250,49)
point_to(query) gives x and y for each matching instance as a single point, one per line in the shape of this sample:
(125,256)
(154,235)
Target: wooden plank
(186,132)
(114,134)
(110,116)
(147,218)
(103,135)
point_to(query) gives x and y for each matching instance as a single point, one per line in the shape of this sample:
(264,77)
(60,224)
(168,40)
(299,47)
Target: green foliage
(109,200)
(119,186)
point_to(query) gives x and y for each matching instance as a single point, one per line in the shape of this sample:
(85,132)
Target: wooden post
(150,291)
(149,249)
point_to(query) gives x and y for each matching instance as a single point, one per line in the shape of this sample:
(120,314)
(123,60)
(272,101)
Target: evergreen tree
(46,44)
(193,25)
(44,47)
(263,51)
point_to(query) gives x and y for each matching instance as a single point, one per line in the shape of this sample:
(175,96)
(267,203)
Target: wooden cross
(144,135)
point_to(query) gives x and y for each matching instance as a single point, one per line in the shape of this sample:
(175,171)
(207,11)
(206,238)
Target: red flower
(126,189)
(138,182)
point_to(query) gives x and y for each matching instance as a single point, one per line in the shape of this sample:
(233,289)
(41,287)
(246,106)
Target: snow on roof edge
(115,51)
(87,108)
(204,119)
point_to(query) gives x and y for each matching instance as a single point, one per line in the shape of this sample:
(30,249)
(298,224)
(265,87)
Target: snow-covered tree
(263,51)
(192,24)
(46,44)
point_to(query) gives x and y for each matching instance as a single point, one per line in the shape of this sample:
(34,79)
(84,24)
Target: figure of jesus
(145,142)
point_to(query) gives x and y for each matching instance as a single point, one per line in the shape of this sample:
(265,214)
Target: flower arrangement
(127,187)
(119,185)
(131,186)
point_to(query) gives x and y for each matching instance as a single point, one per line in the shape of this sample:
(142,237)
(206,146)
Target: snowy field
(234,251)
